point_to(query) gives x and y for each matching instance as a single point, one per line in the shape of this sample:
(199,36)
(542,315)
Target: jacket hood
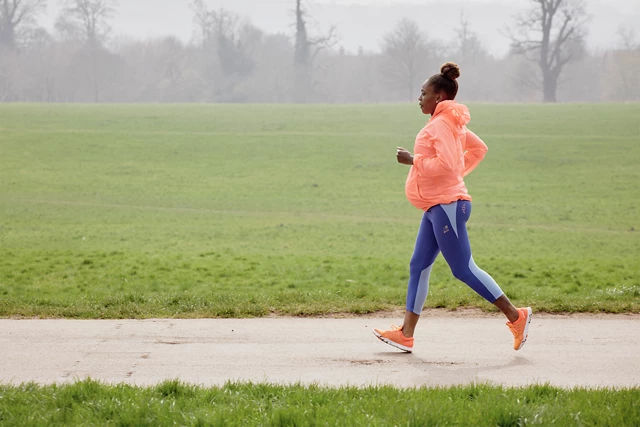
(453,113)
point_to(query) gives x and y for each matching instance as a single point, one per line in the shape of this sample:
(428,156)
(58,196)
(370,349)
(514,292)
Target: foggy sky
(360,23)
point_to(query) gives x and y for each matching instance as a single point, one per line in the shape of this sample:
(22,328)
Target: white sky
(360,22)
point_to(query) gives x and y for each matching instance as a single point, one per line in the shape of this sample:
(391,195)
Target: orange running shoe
(520,328)
(396,338)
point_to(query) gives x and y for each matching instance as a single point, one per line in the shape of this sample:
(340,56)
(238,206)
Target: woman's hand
(404,156)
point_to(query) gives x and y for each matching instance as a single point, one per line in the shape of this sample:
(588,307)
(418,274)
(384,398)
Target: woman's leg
(409,323)
(424,254)
(449,224)
(508,309)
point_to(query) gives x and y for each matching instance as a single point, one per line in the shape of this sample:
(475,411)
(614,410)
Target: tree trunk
(7,38)
(549,86)
(301,60)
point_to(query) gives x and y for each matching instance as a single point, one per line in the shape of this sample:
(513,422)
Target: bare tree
(215,26)
(627,38)
(15,14)
(227,49)
(202,19)
(478,66)
(229,36)
(87,20)
(406,50)
(305,51)
(469,46)
(621,68)
(301,57)
(551,34)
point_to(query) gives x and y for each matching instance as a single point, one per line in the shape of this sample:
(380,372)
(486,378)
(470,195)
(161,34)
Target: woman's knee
(462,273)
(416,266)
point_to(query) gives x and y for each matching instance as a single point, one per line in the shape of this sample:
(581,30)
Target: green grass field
(173,403)
(246,210)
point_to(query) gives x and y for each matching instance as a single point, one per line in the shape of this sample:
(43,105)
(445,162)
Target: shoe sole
(392,343)
(525,334)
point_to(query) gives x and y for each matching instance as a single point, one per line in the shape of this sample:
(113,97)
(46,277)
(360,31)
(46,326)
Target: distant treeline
(230,60)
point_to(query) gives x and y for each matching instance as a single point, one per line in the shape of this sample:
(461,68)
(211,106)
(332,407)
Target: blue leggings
(443,228)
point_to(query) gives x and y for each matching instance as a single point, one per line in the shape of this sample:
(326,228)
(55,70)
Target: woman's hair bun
(450,70)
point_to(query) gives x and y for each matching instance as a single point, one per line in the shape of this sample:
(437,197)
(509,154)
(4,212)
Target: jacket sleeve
(475,150)
(444,160)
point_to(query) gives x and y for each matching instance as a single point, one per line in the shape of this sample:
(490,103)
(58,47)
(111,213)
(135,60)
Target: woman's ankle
(508,309)
(407,332)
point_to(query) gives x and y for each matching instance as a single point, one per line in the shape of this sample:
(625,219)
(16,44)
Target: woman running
(444,152)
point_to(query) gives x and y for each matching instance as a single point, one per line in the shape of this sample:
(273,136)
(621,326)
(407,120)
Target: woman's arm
(444,154)
(475,150)
(428,165)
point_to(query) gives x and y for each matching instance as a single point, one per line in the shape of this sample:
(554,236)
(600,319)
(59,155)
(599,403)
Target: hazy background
(156,51)
(360,23)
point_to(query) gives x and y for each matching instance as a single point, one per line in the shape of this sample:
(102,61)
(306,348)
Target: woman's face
(429,99)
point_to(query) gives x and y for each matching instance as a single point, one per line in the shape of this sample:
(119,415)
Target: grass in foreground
(174,403)
(245,210)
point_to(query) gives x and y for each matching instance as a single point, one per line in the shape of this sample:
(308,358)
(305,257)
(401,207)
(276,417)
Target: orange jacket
(445,151)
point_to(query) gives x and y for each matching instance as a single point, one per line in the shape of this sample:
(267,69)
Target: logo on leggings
(446,229)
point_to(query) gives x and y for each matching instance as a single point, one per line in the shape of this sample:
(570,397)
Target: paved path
(565,351)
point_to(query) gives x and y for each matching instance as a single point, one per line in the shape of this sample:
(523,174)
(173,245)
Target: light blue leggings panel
(443,229)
